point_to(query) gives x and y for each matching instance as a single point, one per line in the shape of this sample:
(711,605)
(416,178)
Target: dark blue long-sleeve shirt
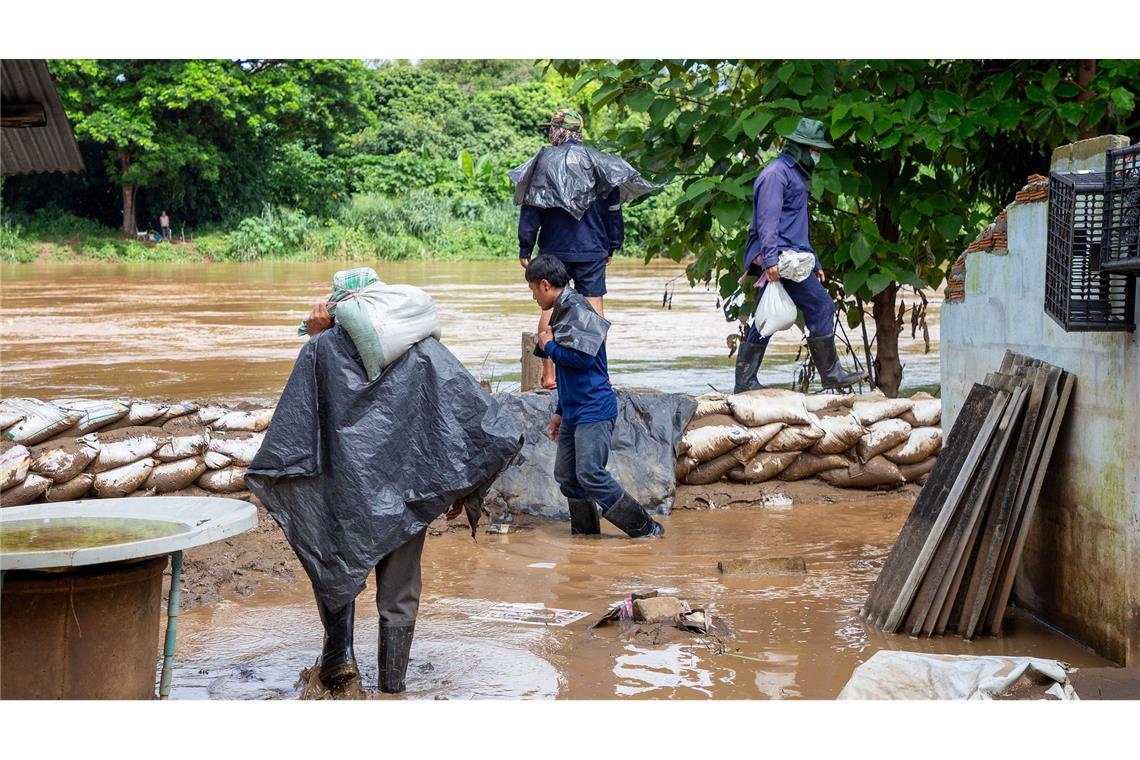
(584,390)
(595,236)
(780,216)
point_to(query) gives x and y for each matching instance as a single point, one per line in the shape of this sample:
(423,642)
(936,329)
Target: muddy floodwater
(796,637)
(228,331)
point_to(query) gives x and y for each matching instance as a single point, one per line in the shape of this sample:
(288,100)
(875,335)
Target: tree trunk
(888,368)
(1086,71)
(128,195)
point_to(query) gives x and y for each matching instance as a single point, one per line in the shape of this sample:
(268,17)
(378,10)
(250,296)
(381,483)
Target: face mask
(814,157)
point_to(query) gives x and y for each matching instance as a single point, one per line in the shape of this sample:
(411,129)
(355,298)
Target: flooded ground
(227,331)
(796,637)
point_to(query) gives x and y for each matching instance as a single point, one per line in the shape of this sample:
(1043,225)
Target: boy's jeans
(580,465)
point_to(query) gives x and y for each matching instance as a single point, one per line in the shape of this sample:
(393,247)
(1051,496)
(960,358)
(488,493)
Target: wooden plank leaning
(961,482)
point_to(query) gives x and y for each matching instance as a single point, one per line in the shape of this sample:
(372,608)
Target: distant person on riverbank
(779,227)
(583,422)
(354,469)
(570,198)
(164,225)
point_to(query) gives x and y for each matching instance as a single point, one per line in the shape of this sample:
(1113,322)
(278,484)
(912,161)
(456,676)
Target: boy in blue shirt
(583,422)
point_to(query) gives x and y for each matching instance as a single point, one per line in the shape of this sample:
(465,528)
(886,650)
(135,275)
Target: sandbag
(712,420)
(756,408)
(839,434)
(924,442)
(63,459)
(182,447)
(172,476)
(870,412)
(73,489)
(180,409)
(183,425)
(15,461)
(708,443)
(122,480)
(711,472)
(41,420)
(208,415)
(765,433)
(144,412)
(745,451)
(822,403)
(194,491)
(240,449)
(880,471)
(794,438)
(926,412)
(764,466)
(32,487)
(254,422)
(229,480)
(122,447)
(216,461)
(806,465)
(96,414)
(384,321)
(916,473)
(711,403)
(882,436)
(9,418)
(684,466)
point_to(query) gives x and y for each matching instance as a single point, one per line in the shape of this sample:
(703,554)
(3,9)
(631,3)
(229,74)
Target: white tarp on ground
(911,675)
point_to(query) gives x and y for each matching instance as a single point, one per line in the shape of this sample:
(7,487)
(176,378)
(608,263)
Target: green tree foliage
(925,151)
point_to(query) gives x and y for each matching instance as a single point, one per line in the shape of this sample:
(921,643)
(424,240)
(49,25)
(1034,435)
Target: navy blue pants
(813,300)
(580,465)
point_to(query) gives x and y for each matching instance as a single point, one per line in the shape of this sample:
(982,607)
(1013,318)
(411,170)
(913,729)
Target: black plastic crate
(1121,249)
(1079,295)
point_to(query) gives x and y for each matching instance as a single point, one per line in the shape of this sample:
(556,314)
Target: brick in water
(658,609)
(769,566)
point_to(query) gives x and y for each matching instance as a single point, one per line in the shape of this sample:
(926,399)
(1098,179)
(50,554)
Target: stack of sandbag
(70,449)
(848,441)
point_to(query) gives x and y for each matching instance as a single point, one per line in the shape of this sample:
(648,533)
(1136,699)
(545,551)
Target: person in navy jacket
(583,421)
(780,221)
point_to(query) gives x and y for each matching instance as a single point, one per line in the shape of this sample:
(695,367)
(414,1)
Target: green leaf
(1123,101)
(684,123)
(785,72)
(728,212)
(878,282)
(854,280)
(604,94)
(755,124)
(860,251)
(948,225)
(1001,84)
(660,109)
(702,185)
(800,84)
(786,125)
(890,140)
(1050,80)
(912,105)
(640,100)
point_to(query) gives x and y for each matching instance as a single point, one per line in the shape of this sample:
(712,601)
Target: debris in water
(767,566)
(529,614)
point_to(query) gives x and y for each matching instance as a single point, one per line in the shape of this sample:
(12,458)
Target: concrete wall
(1081,569)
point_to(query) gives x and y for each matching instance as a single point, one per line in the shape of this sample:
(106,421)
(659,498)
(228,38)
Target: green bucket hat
(809,132)
(565,118)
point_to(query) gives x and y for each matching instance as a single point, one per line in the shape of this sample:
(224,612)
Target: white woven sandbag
(384,321)
(128,445)
(229,480)
(762,407)
(41,420)
(96,414)
(241,450)
(121,481)
(840,433)
(882,436)
(254,421)
(708,443)
(32,487)
(870,412)
(62,460)
(14,465)
(923,443)
(70,490)
(181,447)
(174,476)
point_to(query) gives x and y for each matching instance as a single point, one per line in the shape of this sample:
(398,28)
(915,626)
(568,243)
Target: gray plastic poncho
(351,470)
(572,176)
(576,325)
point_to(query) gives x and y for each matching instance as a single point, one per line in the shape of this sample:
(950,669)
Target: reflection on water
(795,637)
(228,330)
(55,533)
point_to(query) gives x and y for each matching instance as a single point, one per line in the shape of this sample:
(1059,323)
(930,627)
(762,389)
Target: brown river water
(796,637)
(228,331)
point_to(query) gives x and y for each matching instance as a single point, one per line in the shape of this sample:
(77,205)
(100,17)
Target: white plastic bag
(775,311)
(384,321)
(796,266)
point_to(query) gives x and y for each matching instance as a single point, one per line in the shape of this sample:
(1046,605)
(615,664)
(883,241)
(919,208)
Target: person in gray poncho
(570,198)
(354,471)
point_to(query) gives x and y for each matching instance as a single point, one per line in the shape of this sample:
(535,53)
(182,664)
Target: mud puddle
(795,636)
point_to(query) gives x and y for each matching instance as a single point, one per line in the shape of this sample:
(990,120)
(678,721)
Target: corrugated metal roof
(51,148)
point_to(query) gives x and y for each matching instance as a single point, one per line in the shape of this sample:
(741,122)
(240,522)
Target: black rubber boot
(395,648)
(748,358)
(632,518)
(831,372)
(338,662)
(584,518)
